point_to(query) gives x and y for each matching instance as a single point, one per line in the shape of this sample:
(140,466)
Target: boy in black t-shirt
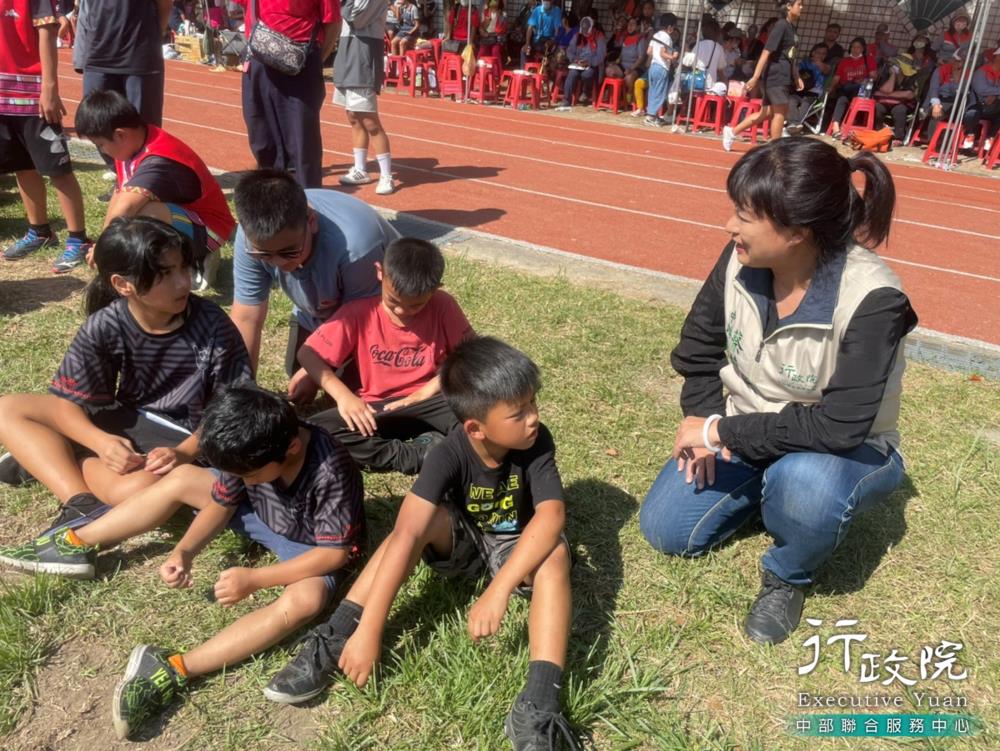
(488,497)
(288,486)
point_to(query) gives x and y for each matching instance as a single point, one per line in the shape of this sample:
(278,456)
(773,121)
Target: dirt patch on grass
(72,709)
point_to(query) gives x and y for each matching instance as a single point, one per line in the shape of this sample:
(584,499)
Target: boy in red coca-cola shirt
(398,341)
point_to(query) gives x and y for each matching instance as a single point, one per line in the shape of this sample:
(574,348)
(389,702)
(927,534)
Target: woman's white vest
(795,363)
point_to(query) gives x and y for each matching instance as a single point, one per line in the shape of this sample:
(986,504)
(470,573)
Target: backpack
(871,140)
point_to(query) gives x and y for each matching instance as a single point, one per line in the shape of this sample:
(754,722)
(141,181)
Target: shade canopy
(925,13)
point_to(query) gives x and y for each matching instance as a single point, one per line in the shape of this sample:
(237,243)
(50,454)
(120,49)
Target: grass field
(657,658)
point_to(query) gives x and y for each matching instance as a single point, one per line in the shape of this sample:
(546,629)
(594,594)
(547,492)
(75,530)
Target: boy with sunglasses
(320,246)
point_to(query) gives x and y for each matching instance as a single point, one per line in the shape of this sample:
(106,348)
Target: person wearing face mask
(586,56)
(957,37)
(458,24)
(543,24)
(847,81)
(942,90)
(984,96)
(493,30)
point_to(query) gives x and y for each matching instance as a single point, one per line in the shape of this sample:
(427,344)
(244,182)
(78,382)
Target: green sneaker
(52,553)
(149,685)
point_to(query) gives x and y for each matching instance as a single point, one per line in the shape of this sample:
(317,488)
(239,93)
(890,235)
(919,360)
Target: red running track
(644,198)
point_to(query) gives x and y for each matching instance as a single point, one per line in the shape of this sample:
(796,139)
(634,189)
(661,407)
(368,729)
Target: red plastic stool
(994,156)
(555,94)
(420,78)
(743,109)
(934,147)
(861,114)
(396,68)
(701,118)
(494,62)
(614,87)
(449,77)
(484,84)
(980,145)
(521,85)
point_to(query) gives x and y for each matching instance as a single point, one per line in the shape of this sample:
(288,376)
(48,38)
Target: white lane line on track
(623,209)
(685,163)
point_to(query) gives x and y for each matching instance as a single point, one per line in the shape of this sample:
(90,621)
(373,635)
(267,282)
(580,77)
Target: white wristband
(709,421)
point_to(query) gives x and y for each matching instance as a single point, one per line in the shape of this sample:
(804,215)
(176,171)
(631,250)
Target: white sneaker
(727,138)
(385,185)
(109,176)
(355,177)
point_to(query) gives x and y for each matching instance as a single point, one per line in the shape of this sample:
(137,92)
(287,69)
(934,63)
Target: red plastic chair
(743,109)
(522,87)
(612,86)
(450,81)
(484,84)
(934,147)
(860,114)
(993,158)
(494,62)
(717,105)
(396,69)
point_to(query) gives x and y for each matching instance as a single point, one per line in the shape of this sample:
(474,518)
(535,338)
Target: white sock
(384,164)
(360,157)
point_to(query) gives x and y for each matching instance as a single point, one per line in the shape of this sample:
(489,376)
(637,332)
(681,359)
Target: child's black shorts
(145,431)
(473,552)
(31,143)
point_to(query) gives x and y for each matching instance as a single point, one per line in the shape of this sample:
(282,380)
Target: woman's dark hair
(132,247)
(414,266)
(710,29)
(783,6)
(102,112)
(246,428)
(483,372)
(951,23)
(268,202)
(802,182)
(864,45)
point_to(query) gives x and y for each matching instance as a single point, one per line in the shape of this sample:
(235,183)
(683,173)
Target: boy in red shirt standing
(32,142)
(398,341)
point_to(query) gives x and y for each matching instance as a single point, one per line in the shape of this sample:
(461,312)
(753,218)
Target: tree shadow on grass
(19,296)
(871,536)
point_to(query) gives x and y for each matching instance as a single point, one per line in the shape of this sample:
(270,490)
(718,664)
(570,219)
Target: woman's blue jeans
(659,83)
(807,502)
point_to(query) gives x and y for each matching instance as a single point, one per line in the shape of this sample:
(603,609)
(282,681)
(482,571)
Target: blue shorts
(246,522)
(190,226)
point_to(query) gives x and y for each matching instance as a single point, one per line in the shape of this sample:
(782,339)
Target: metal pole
(697,40)
(468,42)
(680,63)
(969,65)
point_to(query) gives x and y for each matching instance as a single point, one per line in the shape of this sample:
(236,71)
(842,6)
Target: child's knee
(304,599)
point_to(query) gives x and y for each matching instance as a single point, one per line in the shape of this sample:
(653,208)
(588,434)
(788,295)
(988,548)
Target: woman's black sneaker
(776,611)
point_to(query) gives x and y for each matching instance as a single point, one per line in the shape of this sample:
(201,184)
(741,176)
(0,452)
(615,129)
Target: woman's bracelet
(709,421)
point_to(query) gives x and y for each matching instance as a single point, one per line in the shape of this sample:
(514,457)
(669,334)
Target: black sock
(543,685)
(344,620)
(42,230)
(84,503)
(81,235)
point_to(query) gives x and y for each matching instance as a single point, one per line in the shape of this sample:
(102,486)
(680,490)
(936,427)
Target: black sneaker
(105,197)
(311,670)
(532,729)
(776,611)
(52,553)
(78,511)
(149,685)
(12,473)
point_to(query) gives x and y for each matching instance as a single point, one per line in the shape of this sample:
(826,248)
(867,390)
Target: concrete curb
(934,348)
